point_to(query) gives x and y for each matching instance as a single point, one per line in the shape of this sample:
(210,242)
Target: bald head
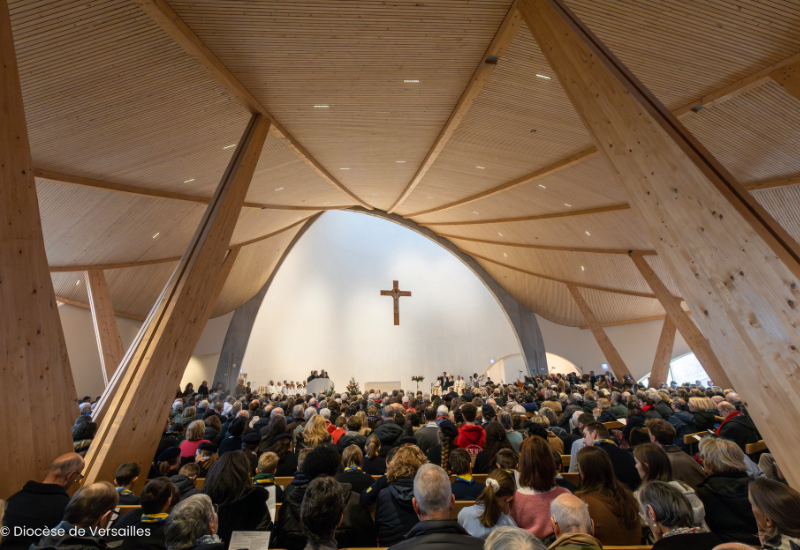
(571,515)
(65,470)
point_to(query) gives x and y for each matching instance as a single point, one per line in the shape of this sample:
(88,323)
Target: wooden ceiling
(131,116)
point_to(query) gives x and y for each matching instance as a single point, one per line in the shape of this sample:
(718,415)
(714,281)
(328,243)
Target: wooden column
(109,342)
(736,268)
(615,362)
(663,354)
(40,403)
(694,338)
(789,78)
(135,412)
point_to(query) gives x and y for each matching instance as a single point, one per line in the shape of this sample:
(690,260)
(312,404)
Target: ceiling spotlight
(412,80)
(582,268)
(565,204)
(481,167)
(344,169)
(504,254)
(543,76)
(474,212)
(157,234)
(321,106)
(399,161)
(77,283)
(588,233)
(533,131)
(542,186)
(279,189)
(187,181)
(499,233)
(229,146)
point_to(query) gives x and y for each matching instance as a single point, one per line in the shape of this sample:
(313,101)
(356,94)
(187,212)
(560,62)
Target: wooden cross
(396,293)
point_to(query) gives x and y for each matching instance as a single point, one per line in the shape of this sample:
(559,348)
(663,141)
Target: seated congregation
(559,462)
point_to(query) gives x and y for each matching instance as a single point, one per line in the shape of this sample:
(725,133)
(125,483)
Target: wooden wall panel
(784,204)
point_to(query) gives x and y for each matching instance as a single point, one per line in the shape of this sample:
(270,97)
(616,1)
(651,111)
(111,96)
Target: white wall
(324,309)
(636,344)
(84,356)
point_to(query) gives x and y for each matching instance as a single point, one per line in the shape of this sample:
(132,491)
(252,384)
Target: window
(685,368)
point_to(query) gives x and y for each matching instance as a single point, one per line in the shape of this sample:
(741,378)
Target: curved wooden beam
(563,281)
(87,306)
(70,179)
(168,20)
(620,251)
(554,216)
(505,34)
(71,268)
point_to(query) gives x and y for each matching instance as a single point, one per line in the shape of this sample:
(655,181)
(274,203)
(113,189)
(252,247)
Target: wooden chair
(756,447)
(460,505)
(616,425)
(565,460)
(573,478)
(199,482)
(689,439)
(284,481)
(122,510)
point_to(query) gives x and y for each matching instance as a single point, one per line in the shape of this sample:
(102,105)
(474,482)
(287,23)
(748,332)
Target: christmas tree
(352,387)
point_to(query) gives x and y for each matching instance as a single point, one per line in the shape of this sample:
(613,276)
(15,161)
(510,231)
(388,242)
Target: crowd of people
(386,469)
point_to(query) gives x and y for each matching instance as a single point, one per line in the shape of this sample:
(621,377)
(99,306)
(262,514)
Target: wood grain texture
(158,357)
(615,362)
(505,34)
(618,251)
(666,341)
(33,355)
(554,216)
(106,331)
(87,306)
(788,77)
(735,268)
(173,25)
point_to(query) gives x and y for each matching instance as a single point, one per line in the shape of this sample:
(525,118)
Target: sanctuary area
(444,274)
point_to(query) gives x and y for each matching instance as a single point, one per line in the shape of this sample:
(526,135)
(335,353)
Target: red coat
(471,439)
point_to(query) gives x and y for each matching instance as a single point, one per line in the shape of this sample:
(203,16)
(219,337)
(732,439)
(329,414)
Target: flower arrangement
(417,378)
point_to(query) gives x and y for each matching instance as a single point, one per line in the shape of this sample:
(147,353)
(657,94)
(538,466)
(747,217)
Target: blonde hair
(189,412)
(405,463)
(702,403)
(604,403)
(352,456)
(364,430)
(315,433)
(540,419)
(664,397)
(196,430)
(721,455)
(267,463)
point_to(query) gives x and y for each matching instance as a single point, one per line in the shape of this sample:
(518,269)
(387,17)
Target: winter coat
(351,438)
(704,420)
(249,513)
(69,542)
(664,409)
(444,534)
(741,430)
(683,422)
(185,485)
(389,433)
(729,514)
(394,512)
(36,506)
(212,435)
(607,416)
(356,530)
(471,438)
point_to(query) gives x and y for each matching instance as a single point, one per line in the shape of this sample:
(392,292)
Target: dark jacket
(566,416)
(703,420)
(389,433)
(231,443)
(357,479)
(155,540)
(465,490)
(741,430)
(484,464)
(607,416)
(374,466)
(185,485)
(434,455)
(589,406)
(167,441)
(212,435)
(394,512)
(696,541)
(624,465)
(427,437)
(444,534)
(356,530)
(683,422)
(36,505)
(287,465)
(69,542)
(127,499)
(664,409)
(351,438)
(634,421)
(728,511)
(249,513)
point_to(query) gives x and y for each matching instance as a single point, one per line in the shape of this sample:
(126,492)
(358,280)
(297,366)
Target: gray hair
(388,412)
(442,410)
(325,413)
(85,406)
(277,411)
(733,398)
(670,507)
(432,489)
(188,522)
(512,538)
(574,398)
(571,514)
(177,405)
(505,421)
(311,411)
(323,404)
(297,411)
(204,403)
(519,409)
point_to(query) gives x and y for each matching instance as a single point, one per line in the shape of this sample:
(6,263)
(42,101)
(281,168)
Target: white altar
(319,384)
(381,386)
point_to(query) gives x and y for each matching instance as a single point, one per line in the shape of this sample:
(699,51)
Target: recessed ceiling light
(411,80)
(77,283)
(499,233)
(582,268)
(565,204)
(321,106)
(344,169)
(504,254)
(399,161)
(229,146)
(481,167)
(474,212)
(533,131)
(157,234)
(187,181)
(543,76)
(588,233)
(542,186)
(279,189)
